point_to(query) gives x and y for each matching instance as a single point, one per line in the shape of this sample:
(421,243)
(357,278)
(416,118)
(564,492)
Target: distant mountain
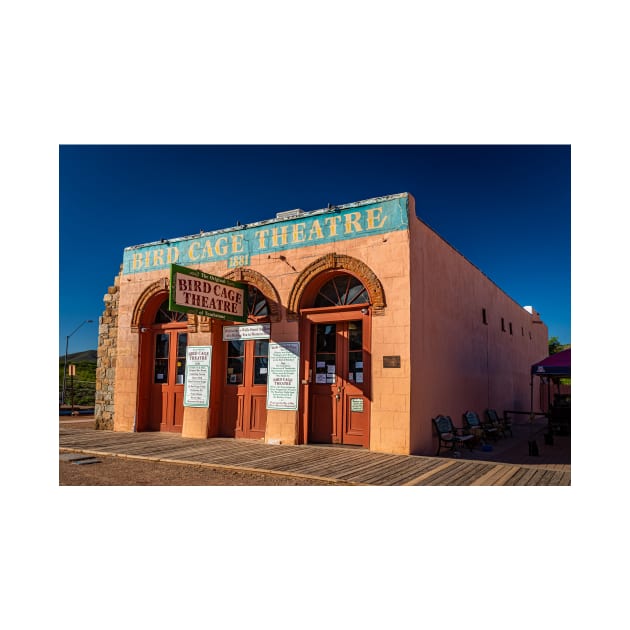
(88,356)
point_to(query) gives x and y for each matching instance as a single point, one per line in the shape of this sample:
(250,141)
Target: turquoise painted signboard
(237,245)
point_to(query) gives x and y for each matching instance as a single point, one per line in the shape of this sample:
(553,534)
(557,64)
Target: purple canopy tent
(558,364)
(554,366)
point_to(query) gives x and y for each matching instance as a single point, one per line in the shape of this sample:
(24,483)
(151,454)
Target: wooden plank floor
(350,465)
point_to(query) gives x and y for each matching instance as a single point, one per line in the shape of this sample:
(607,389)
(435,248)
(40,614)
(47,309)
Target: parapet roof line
(237,228)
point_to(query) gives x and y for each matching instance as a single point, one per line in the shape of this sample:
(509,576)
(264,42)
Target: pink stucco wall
(450,361)
(458,363)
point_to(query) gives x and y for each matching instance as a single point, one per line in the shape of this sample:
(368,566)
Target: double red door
(166,406)
(339,405)
(244,409)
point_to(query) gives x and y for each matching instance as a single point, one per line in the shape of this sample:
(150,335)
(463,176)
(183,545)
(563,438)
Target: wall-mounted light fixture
(283,258)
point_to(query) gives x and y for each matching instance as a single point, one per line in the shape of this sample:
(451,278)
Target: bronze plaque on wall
(391,362)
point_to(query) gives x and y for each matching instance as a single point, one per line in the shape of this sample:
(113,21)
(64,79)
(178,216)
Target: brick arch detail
(159,286)
(244,274)
(334,262)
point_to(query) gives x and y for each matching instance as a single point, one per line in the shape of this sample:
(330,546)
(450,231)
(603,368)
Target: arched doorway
(162,367)
(244,412)
(336,337)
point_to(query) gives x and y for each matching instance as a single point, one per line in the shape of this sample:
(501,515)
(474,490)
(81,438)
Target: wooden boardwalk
(348,465)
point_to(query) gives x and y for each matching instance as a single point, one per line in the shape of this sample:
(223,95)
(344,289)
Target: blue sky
(506,208)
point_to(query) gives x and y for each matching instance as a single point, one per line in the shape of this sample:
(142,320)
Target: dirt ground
(118,471)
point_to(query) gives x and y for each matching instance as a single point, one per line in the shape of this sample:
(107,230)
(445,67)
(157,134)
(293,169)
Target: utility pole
(65,362)
(72,369)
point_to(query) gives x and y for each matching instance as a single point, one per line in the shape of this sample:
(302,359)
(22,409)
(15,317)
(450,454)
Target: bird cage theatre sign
(193,291)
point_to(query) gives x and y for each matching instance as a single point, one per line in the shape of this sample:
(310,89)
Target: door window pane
(325,353)
(181,358)
(235,359)
(160,367)
(355,335)
(261,354)
(355,351)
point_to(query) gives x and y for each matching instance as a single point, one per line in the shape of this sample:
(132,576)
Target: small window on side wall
(484,316)
(503,324)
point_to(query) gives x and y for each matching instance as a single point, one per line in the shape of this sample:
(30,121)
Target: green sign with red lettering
(193,291)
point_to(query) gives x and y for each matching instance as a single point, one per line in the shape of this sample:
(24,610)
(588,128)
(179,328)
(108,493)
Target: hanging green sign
(193,291)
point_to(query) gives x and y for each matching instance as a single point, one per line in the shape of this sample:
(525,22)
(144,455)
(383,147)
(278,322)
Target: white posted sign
(197,386)
(243,333)
(284,371)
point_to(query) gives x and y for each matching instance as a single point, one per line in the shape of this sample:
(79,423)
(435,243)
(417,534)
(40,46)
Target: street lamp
(65,362)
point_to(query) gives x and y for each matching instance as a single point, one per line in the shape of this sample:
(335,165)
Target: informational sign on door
(356,404)
(283,375)
(197,385)
(243,333)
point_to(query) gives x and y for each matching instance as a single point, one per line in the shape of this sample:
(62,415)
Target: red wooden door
(166,406)
(339,406)
(244,413)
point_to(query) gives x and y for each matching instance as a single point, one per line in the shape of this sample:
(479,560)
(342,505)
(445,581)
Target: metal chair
(473,423)
(449,435)
(502,424)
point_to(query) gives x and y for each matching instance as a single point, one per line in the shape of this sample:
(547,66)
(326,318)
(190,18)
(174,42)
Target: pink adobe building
(361,325)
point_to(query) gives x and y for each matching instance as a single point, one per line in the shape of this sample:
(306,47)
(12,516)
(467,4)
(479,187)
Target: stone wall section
(106,359)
